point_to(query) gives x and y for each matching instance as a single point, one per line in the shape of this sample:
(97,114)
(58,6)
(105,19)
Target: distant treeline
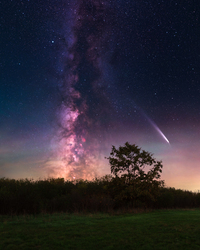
(105,194)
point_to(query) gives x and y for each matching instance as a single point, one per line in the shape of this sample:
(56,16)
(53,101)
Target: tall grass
(57,195)
(161,229)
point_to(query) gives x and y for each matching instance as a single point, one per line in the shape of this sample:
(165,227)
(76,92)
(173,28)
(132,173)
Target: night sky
(77,77)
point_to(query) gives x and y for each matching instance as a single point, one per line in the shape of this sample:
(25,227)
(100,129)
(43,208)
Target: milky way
(84,108)
(72,72)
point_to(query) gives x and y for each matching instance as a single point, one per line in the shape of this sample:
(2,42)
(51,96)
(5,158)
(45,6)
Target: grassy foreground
(162,229)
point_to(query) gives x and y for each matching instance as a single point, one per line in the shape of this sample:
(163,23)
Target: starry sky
(77,77)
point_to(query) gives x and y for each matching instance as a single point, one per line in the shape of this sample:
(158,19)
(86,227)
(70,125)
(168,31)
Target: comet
(157,129)
(160,132)
(154,125)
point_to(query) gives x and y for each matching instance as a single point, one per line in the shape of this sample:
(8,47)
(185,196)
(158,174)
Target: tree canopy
(136,171)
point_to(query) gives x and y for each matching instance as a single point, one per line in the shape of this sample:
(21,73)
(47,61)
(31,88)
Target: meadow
(160,229)
(105,213)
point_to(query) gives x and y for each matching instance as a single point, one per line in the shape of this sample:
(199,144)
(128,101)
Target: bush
(100,195)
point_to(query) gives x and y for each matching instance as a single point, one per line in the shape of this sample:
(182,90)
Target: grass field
(162,229)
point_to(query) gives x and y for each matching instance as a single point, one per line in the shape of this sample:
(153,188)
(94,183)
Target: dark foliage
(53,195)
(100,195)
(132,183)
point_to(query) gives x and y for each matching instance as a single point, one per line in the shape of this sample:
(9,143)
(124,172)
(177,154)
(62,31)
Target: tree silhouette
(128,165)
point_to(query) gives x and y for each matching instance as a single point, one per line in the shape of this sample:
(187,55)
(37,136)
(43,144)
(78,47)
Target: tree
(128,165)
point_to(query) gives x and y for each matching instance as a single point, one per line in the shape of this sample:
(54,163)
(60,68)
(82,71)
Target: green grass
(162,229)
